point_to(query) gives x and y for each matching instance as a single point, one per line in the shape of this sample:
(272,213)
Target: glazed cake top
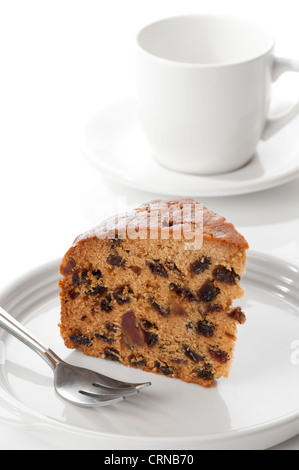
(166,218)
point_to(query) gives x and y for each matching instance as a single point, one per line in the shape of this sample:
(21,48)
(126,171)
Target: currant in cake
(137,289)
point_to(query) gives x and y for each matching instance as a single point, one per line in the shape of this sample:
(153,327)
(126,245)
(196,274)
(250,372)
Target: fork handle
(12,326)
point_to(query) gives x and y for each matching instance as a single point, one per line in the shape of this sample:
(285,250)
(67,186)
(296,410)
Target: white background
(60,62)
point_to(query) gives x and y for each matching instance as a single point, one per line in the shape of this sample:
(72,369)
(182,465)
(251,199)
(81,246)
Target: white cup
(204,91)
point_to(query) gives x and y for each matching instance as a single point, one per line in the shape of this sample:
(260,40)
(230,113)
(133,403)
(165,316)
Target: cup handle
(274,125)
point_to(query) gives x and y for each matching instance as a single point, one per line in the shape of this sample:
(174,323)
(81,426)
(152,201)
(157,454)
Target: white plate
(257,407)
(114,143)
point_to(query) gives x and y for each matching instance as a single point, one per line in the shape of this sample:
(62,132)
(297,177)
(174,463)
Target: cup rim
(207,65)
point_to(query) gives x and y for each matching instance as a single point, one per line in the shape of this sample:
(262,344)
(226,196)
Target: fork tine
(105,381)
(87,400)
(103,390)
(102,397)
(94,389)
(123,390)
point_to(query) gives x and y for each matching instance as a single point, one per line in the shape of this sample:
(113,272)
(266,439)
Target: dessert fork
(77,385)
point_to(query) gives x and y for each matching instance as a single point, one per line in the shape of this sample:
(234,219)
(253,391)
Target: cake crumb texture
(150,303)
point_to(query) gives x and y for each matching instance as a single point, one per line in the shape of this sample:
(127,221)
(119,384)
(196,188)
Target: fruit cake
(136,290)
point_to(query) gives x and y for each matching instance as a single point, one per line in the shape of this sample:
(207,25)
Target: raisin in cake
(135,290)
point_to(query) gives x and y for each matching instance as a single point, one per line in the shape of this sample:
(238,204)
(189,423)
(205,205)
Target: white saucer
(114,143)
(255,408)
